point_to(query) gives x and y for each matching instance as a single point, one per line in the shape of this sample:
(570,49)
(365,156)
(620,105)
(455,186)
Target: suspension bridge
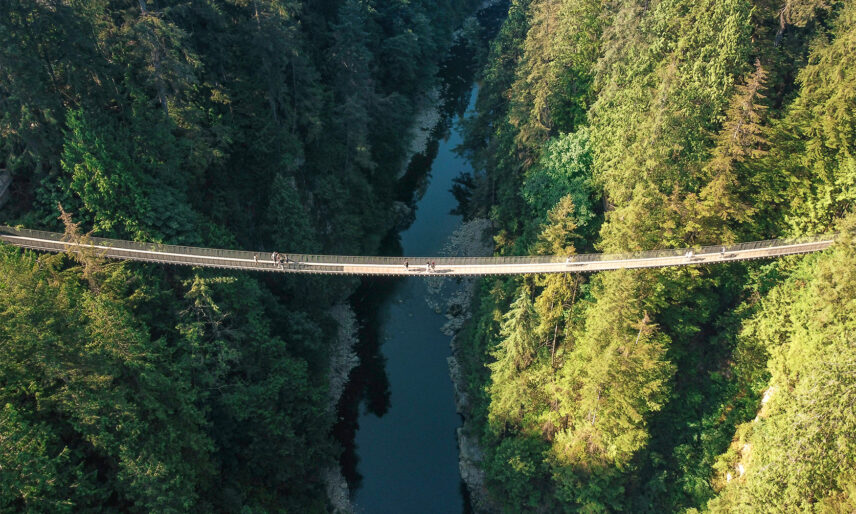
(409,266)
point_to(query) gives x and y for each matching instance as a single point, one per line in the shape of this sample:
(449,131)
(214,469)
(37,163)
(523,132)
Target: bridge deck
(445,266)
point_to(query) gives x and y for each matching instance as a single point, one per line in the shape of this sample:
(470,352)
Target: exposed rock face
(427,117)
(454,298)
(470,453)
(5,183)
(343,359)
(472,473)
(402,216)
(337,491)
(462,398)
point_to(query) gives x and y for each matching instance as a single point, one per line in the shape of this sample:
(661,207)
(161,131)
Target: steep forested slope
(635,125)
(798,453)
(267,124)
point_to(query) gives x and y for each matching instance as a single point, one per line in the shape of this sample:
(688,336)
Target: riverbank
(456,301)
(471,456)
(394,400)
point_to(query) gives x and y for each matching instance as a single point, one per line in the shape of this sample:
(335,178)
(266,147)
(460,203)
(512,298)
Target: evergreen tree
(797,454)
(722,203)
(291,229)
(354,88)
(512,386)
(808,173)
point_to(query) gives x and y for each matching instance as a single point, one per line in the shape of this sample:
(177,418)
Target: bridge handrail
(318,259)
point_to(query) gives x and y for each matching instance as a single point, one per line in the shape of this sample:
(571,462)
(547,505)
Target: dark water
(397,417)
(408,456)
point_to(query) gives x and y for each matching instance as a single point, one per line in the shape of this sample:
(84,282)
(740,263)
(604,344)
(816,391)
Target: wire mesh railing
(316,263)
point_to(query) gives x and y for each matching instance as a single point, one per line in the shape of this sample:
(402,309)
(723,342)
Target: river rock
(470,465)
(337,491)
(402,216)
(462,399)
(426,118)
(343,358)
(470,454)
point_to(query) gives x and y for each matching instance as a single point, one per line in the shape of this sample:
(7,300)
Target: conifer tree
(354,87)
(809,173)
(289,222)
(558,234)
(722,199)
(511,384)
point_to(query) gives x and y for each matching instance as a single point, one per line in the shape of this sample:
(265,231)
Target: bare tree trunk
(160,83)
(642,326)
(781,31)
(553,349)
(272,103)
(293,97)
(258,18)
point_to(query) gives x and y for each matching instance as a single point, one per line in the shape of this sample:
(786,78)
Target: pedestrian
(722,252)
(433,265)
(427,267)
(256,258)
(273,257)
(406,265)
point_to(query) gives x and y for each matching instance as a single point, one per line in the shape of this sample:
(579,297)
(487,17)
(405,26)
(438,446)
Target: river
(408,455)
(397,415)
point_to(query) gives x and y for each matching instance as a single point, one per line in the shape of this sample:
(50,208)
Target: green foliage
(564,169)
(289,219)
(512,386)
(809,173)
(684,118)
(552,91)
(116,416)
(31,466)
(720,205)
(618,373)
(515,465)
(266,124)
(103,176)
(667,77)
(797,455)
(558,234)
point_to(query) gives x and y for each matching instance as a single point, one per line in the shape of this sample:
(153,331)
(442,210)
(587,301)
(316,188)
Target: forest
(600,126)
(247,124)
(634,125)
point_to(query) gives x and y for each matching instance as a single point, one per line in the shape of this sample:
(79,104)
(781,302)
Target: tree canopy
(631,125)
(264,124)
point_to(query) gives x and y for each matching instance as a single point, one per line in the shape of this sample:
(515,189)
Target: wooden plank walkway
(445,266)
